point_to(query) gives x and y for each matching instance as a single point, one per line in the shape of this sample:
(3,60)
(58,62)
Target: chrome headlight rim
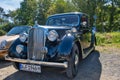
(19,48)
(52,35)
(23,37)
(74,30)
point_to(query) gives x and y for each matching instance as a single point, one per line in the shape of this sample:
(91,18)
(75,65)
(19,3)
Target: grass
(108,42)
(109,39)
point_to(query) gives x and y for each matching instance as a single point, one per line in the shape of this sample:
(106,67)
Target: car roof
(78,13)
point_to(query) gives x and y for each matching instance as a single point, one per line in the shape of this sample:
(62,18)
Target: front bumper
(43,63)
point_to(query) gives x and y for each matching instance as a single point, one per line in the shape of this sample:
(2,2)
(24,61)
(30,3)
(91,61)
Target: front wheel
(73,62)
(16,65)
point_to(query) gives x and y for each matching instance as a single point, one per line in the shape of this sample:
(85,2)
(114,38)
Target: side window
(84,21)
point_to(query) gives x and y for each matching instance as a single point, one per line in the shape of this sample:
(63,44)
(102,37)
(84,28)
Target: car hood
(55,27)
(8,38)
(61,30)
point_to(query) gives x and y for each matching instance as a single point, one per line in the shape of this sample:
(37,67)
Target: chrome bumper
(52,64)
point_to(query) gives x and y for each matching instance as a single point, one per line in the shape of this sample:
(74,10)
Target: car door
(85,30)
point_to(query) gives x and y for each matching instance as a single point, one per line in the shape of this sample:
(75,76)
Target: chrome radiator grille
(36,41)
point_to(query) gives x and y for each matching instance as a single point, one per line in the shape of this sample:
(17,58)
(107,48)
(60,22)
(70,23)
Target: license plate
(30,67)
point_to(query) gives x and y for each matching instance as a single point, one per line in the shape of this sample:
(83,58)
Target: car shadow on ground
(4,63)
(89,69)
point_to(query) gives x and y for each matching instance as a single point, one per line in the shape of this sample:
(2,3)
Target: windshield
(18,30)
(63,20)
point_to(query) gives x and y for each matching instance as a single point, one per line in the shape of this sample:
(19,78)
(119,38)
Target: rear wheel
(73,62)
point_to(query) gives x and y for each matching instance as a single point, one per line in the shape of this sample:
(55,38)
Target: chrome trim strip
(43,63)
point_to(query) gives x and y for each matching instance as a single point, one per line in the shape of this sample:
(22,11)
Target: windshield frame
(55,16)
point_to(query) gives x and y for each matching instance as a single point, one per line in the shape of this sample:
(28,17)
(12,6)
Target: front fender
(12,49)
(65,46)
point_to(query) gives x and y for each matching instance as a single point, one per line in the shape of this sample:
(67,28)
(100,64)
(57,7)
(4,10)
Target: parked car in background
(6,40)
(63,42)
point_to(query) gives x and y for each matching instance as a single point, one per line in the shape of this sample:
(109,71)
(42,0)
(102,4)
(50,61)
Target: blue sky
(10,4)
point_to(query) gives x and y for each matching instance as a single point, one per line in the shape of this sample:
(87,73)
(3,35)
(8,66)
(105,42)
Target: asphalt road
(90,68)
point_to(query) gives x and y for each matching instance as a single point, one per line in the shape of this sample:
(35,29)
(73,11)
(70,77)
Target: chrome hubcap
(76,59)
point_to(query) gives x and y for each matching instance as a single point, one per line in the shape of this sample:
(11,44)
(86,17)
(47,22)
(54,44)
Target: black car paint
(66,44)
(12,50)
(62,48)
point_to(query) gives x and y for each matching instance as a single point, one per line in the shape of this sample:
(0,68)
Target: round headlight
(3,44)
(52,35)
(23,37)
(19,48)
(74,30)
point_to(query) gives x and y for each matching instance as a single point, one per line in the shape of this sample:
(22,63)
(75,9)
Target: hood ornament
(36,24)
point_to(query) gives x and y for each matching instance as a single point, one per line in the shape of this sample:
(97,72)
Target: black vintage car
(63,42)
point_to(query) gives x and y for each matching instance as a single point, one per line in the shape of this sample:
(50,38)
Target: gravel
(97,66)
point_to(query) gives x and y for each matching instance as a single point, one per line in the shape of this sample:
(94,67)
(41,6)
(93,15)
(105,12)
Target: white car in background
(6,40)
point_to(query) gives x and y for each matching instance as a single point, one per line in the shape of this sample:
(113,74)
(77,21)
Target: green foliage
(7,27)
(42,8)
(107,11)
(60,6)
(2,32)
(108,38)
(26,13)
(108,16)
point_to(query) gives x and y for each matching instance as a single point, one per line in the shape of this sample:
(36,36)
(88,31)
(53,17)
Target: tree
(107,11)
(1,12)
(42,8)
(1,15)
(61,6)
(111,10)
(30,11)
(26,13)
